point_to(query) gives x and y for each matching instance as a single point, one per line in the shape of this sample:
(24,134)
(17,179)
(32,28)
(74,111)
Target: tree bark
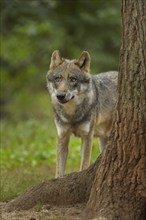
(119,188)
(117,178)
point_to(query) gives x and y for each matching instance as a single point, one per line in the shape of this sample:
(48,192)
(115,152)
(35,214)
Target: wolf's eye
(58,79)
(73,79)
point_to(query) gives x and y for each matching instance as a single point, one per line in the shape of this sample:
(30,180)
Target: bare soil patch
(45,212)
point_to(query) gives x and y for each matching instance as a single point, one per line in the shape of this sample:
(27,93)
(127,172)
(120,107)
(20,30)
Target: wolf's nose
(61,96)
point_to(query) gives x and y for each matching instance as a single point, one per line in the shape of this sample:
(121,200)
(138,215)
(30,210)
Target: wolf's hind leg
(102,143)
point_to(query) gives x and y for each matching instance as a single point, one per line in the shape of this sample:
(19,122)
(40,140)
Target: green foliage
(32,29)
(32,143)
(27,143)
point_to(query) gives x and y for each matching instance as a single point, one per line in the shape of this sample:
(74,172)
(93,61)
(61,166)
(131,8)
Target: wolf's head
(68,79)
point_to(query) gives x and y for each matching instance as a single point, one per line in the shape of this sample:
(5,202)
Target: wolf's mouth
(63,101)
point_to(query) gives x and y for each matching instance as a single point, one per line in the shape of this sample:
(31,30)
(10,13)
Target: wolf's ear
(55,59)
(84,62)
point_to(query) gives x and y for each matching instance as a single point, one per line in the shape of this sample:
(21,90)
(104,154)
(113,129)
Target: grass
(15,181)
(28,154)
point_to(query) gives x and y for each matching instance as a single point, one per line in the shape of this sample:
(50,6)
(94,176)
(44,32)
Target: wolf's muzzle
(61,97)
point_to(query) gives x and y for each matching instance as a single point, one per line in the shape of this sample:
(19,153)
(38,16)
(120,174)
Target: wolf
(83,105)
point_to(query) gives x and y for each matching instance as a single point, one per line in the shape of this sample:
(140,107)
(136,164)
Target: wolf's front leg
(62,148)
(61,155)
(86,149)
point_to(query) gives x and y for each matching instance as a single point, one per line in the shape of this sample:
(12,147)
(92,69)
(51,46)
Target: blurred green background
(30,30)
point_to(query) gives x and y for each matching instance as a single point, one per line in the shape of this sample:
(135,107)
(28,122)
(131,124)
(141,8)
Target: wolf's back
(106,87)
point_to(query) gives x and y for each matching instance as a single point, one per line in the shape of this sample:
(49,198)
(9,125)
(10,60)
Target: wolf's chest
(70,108)
(82,129)
(100,129)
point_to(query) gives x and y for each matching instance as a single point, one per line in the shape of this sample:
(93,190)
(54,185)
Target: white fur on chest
(61,130)
(82,129)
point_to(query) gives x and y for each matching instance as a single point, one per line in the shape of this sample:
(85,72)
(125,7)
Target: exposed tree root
(71,189)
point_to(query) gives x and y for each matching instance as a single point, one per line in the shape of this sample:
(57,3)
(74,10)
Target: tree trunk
(119,187)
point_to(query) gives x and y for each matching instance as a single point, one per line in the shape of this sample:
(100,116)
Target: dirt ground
(46,212)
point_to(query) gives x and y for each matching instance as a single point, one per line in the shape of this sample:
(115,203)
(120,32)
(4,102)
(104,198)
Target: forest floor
(46,212)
